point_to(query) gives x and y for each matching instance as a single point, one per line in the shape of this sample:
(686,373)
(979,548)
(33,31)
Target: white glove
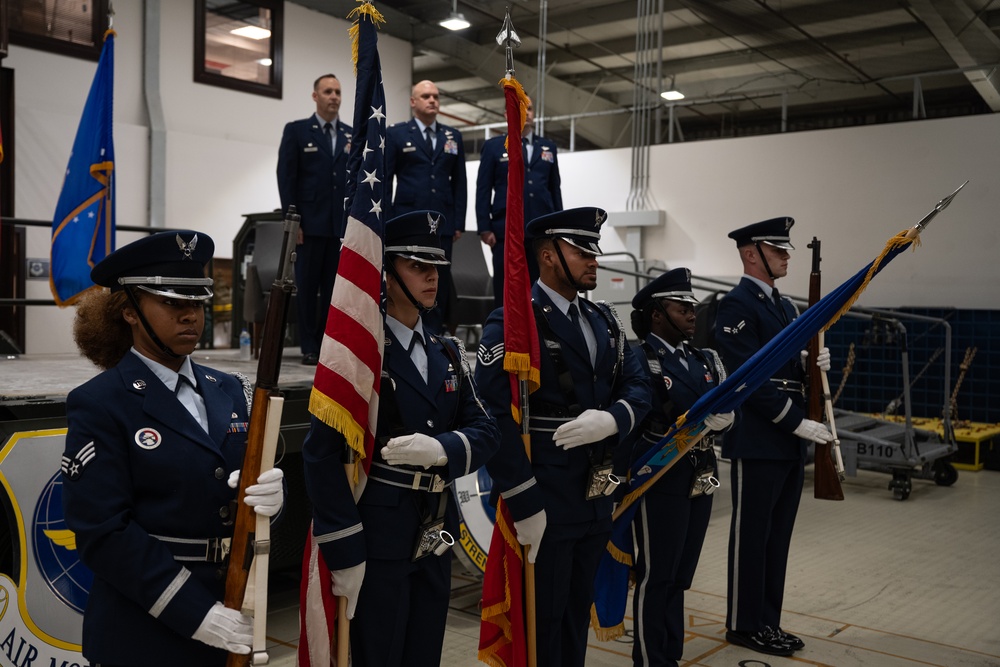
(591,426)
(416,449)
(227,629)
(814,431)
(347,584)
(720,421)
(266,496)
(823,359)
(529,533)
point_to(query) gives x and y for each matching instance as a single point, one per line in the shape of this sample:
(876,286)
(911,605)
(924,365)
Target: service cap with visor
(415,236)
(168,264)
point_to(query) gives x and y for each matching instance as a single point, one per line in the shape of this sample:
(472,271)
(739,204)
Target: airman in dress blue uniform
(592,397)
(426,159)
(542,192)
(672,519)
(153,448)
(432,429)
(312,176)
(766,446)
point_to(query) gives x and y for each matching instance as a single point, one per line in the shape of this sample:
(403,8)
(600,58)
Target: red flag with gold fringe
(502,632)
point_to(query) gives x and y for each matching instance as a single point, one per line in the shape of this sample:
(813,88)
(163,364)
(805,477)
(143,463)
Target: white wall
(221,144)
(854,188)
(851,188)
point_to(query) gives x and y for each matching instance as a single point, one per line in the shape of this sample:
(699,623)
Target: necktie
(776,296)
(527,149)
(695,370)
(328,131)
(429,136)
(418,355)
(585,331)
(192,401)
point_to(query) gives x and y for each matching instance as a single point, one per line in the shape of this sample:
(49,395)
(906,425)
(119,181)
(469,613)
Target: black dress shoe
(310,359)
(793,642)
(762,641)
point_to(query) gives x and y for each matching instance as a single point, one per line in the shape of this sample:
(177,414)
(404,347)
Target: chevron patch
(487,356)
(73,467)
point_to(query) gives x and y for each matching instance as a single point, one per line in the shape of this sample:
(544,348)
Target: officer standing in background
(767,446)
(672,518)
(542,192)
(592,397)
(153,451)
(312,176)
(427,161)
(432,429)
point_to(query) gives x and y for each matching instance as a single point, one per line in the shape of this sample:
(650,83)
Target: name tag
(409,149)
(310,149)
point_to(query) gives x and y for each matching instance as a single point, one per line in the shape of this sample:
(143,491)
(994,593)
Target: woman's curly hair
(100,331)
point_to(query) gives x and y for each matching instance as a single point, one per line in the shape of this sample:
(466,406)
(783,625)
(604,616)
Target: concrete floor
(871,581)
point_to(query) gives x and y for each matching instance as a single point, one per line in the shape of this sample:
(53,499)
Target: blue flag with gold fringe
(612,578)
(83,227)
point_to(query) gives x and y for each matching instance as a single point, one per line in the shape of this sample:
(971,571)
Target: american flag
(502,632)
(346,387)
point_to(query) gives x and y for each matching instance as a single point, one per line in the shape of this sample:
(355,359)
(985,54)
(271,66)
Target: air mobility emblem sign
(42,599)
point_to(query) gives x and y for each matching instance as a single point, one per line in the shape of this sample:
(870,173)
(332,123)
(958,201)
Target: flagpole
(509,39)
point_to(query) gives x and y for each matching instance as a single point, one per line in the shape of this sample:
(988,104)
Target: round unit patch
(148,438)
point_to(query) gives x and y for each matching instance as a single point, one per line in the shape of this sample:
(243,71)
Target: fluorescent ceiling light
(455,22)
(252,32)
(672,95)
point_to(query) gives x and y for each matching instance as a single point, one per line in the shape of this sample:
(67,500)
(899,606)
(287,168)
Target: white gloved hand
(347,584)
(823,359)
(529,533)
(266,496)
(590,426)
(720,421)
(227,629)
(812,430)
(415,449)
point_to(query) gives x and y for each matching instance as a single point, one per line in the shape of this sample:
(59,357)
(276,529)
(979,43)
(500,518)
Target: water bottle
(244,345)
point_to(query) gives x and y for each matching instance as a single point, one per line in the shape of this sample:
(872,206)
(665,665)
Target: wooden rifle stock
(827,481)
(268,368)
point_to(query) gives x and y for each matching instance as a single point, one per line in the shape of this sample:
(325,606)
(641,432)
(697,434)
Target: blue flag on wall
(83,227)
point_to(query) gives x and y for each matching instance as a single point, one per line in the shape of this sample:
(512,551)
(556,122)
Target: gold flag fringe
(903,238)
(334,415)
(364,8)
(605,634)
(523,101)
(497,613)
(520,363)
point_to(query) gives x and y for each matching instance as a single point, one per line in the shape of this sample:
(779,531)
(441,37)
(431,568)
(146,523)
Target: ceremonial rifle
(827,481)
(252,536)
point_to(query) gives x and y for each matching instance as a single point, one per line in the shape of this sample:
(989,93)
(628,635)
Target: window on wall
(70,27)
(238,45)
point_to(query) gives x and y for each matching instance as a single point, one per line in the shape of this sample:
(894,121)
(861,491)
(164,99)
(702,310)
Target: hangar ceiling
(744,66)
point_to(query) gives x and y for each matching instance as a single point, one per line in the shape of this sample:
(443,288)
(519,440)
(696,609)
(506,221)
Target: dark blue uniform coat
(403,606)
(669,526)
(768,459)
(429,180)
(556,479)
(138,465)
(314,180)
(542,193)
